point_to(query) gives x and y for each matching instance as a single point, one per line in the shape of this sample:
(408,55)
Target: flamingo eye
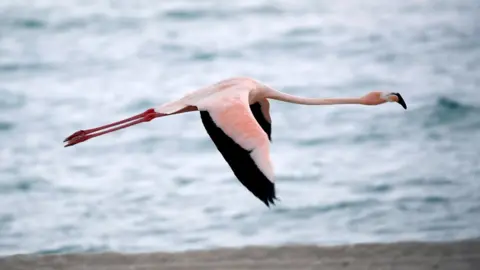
(387,96)
(390,97)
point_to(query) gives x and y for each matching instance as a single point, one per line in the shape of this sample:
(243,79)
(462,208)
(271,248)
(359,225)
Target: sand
(407,255)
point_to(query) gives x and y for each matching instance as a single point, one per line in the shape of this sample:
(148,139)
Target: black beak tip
(401,101)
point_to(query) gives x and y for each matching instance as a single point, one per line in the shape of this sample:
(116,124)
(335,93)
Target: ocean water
(344,174)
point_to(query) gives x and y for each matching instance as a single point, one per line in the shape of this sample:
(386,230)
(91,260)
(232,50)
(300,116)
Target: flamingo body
(229,120)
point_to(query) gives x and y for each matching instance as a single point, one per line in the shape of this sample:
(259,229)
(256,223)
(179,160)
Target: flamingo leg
(146,116)
(83,135)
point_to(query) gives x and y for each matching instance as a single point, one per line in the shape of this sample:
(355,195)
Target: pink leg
(148,115)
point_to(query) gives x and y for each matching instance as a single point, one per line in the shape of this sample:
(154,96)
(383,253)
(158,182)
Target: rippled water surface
(344,174)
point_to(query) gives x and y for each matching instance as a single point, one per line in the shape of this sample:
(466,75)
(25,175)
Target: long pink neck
(311,101)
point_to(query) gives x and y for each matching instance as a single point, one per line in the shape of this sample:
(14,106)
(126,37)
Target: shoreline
(402,255)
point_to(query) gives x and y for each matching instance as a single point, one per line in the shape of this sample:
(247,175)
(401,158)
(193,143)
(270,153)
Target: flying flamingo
(235,114)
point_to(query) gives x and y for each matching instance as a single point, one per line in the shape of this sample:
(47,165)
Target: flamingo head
(377,98)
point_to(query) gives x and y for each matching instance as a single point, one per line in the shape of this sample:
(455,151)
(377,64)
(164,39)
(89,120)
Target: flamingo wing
(262,118)
(244,145)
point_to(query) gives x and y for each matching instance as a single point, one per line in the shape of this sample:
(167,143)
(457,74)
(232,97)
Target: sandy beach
(408,255)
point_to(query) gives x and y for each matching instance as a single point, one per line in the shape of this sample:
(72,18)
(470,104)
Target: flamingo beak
(400,100)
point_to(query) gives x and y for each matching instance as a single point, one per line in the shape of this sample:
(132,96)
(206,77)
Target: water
(345,174)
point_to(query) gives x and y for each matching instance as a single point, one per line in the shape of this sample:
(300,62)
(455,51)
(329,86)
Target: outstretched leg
(146,116)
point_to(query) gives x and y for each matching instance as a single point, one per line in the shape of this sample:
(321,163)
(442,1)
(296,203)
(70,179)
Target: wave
(14,20)
(67,249)
(95,21)
(303,31)
(444,103)
(23,185)
(15,67)
(447,111)
(428,182)
(307,211)
(197,14)
(5,126)
(26,23)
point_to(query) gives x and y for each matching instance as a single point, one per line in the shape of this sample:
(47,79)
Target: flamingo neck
(311,101)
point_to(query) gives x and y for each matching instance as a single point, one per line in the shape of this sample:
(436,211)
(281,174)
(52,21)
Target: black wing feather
(240,162)
(257,113)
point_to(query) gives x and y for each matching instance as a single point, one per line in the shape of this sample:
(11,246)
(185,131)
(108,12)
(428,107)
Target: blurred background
(345,174)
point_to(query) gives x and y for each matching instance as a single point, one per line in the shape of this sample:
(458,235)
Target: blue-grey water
(344,174)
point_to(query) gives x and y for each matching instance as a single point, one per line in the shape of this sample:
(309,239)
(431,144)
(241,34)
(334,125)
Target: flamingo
(235,114)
